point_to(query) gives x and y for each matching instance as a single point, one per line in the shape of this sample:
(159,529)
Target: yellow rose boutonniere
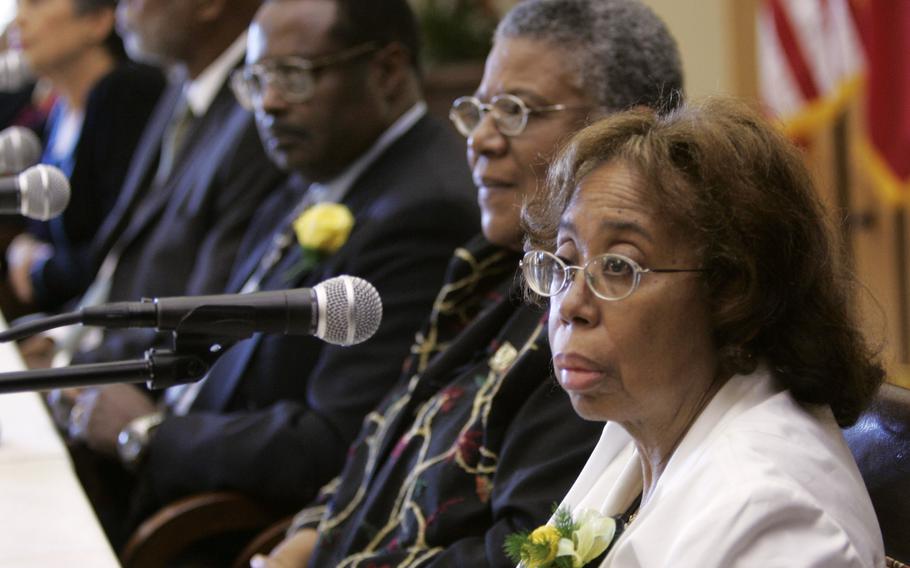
(321,230)
(567,543)
(324,227)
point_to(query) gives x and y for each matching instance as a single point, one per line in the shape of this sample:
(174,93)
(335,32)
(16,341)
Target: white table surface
(45,517)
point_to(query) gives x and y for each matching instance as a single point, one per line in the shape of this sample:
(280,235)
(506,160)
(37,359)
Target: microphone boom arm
(188,362)
(135,371)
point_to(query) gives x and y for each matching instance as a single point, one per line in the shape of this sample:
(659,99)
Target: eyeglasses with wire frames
(293,77)
(509,112)
(610,277)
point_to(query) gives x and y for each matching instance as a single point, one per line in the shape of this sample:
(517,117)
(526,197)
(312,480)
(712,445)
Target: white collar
(335,189)
(201,91)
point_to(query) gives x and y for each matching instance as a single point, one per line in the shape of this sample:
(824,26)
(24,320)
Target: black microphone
(40,192)
(14,71)
(20,148)
(344,310)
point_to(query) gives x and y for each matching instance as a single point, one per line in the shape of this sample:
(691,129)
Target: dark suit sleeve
(286,451)
(117,111)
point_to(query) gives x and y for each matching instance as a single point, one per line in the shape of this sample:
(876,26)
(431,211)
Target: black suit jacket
(277,414)
(181,237)
(116,113)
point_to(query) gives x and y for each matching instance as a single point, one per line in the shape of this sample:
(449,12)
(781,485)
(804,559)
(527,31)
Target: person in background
(27,105)
(103,101)
(476,441)
(22,105)
(698,305)
(196,179)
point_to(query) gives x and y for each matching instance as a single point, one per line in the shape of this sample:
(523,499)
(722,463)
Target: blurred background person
(26,105)
(698,304)
(197,177)
(21,104)
(103,101)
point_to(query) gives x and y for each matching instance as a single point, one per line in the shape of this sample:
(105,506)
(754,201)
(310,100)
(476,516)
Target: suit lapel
(278,277)
(248,265)
(190,170)
(215,395)
(209,135)
(141,170)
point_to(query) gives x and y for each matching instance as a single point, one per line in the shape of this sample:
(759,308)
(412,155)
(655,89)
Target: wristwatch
(134,439)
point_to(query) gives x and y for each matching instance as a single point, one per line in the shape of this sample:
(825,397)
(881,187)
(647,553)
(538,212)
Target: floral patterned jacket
(476,442)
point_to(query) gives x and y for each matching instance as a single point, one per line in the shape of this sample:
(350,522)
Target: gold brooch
(503,358)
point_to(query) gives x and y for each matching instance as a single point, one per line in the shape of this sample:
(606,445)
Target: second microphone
(344,310)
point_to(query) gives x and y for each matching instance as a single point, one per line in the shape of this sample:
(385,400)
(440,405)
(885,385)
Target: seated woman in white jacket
(698,305)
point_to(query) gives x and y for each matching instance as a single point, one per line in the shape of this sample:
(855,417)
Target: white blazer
(758,480)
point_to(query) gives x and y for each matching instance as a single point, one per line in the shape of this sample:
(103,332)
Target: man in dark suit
(197,177)
(337,99)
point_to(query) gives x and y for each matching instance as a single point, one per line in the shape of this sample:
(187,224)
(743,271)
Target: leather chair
(207,529)
(880,442)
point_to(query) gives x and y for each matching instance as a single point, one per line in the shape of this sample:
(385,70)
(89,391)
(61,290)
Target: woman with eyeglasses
(476,442)
(698,306)
(103,102)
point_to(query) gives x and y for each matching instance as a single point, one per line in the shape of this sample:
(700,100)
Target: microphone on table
(344,310)
(14,71)
(41,192)
(20,148)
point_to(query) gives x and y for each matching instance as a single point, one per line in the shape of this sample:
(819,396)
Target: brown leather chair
(880,442)
(207,529)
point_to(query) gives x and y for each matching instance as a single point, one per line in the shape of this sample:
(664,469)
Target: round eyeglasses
(610,277)
(509,112)
(293,77)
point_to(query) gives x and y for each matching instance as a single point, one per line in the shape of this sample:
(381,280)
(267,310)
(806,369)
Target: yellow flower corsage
(567,543)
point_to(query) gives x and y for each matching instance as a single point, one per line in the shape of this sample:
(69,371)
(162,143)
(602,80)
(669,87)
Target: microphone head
(14,71)
(350,310)
(19,149)
(44,192)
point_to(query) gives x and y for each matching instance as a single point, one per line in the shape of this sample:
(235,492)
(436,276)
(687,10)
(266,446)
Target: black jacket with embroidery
(476,442)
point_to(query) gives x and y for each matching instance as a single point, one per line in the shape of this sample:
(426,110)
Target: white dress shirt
(201,91)
(758,480)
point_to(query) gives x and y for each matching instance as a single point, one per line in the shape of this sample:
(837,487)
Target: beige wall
(716,40)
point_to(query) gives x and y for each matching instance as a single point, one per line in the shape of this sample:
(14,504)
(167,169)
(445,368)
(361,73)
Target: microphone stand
(189,361)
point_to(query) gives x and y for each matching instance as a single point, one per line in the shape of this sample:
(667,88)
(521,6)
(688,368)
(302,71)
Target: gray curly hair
(622,52)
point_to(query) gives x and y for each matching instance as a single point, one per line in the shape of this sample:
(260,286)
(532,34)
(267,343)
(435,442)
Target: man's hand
(22,253)
(38,351)
(292,552)
(100,413)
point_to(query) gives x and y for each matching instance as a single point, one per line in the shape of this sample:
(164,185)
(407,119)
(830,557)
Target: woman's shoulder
(780,439)
(779,468)
(751,498)
(768,470)
(755,428)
